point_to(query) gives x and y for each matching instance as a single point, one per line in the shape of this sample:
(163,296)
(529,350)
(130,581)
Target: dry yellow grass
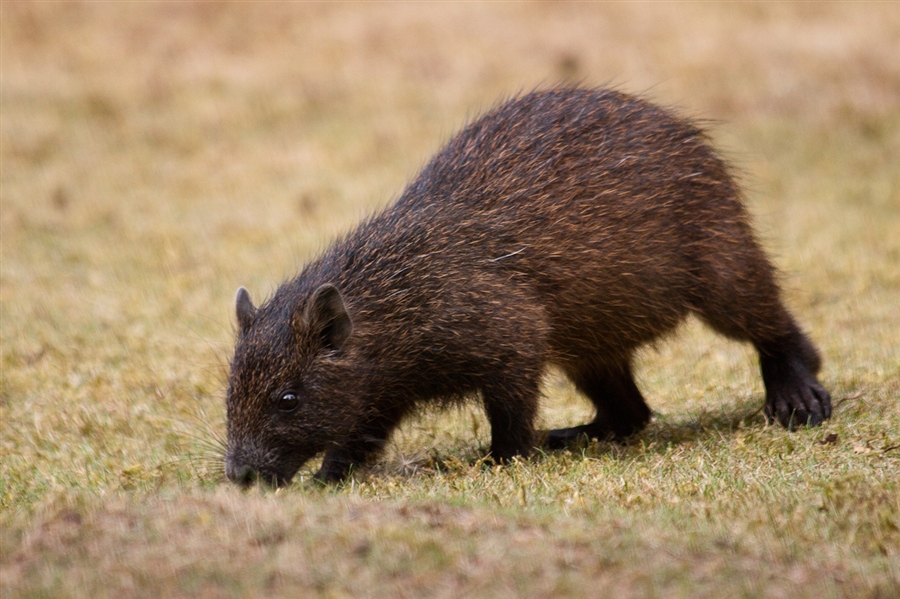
(155,156)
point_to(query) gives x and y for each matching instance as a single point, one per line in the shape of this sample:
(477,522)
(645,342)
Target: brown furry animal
(567,226)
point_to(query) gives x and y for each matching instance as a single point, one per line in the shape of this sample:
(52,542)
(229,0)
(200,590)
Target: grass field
(156,156)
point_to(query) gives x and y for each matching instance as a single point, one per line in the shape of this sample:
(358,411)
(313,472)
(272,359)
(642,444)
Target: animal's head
(291,389)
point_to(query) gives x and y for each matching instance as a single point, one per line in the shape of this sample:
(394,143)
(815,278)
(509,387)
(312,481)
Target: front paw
(504,454)
(332,472)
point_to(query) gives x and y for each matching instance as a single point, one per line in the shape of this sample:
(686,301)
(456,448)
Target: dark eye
(288,402)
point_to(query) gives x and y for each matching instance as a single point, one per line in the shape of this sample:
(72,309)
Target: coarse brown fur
(567,226)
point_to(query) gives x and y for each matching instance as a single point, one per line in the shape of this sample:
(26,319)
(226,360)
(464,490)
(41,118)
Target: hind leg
(793,395)
(621,409)
(744,304)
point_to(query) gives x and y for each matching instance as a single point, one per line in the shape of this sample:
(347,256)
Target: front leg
(511,405)
(337,464)
(366,442)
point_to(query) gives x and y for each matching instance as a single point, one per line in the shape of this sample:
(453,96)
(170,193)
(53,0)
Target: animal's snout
(239,472)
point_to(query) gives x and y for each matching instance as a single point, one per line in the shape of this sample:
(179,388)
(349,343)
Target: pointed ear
(245,310)
(326,316)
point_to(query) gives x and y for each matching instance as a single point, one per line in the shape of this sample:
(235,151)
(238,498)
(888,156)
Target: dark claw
(564,437)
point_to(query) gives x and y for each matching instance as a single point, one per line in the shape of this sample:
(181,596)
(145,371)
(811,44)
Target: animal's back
(605,206)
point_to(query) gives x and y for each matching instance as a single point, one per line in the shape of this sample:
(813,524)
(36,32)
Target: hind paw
(798,400)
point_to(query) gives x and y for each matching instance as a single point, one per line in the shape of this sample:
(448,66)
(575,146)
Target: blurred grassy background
(155,156)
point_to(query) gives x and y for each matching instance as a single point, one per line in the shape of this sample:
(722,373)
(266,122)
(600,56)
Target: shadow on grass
(697,427)
(664,431)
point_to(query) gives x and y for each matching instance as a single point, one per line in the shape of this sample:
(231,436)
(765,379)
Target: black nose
(238,473)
